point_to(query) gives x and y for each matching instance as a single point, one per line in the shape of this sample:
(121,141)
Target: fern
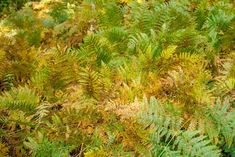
(4,150)
(167,138)
(57,72)
(225,82)
(44,147)
(7,82)
(217,23)
(223,121)
(21,98)
(90,82)
(190,144)
(113,15)
(73,71)
(59,13)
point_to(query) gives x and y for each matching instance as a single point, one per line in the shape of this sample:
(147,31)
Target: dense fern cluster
(96,78)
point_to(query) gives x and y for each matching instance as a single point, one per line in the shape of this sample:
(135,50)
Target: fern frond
(201,16)
(44,147)
(168,53)
(4,150)
(21,98)
(218,20)
(57,71)
(7,82)
(141,42)
(188,40)
(90,81)
(225,82)
(216,24)
(112,15)
(116,34)
(192,58)
(167,136)
(42,111)
(192,144)
(100,47)
(222,117)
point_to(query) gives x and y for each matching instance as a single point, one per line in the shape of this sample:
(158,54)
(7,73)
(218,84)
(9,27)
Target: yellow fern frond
(168,53)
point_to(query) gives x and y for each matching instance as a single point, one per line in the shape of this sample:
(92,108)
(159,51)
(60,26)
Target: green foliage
(44,147)
(222,122)
(21,98)
(168,138)
(7,5)
(73,75)
(59,13)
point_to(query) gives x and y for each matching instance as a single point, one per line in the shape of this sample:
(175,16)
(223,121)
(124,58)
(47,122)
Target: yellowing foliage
(118,78)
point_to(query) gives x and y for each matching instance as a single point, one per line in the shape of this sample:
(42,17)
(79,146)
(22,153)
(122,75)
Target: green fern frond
(44,147)
(192,144)
(153,19)
(21,98)
(218,20)
(167,136)
(116,34)
(201,16)
(58,71)
(141,42)
(188,40)
(90,81)
(95,42)
(23,19)
(216,24)
(59,12)
(222,117)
